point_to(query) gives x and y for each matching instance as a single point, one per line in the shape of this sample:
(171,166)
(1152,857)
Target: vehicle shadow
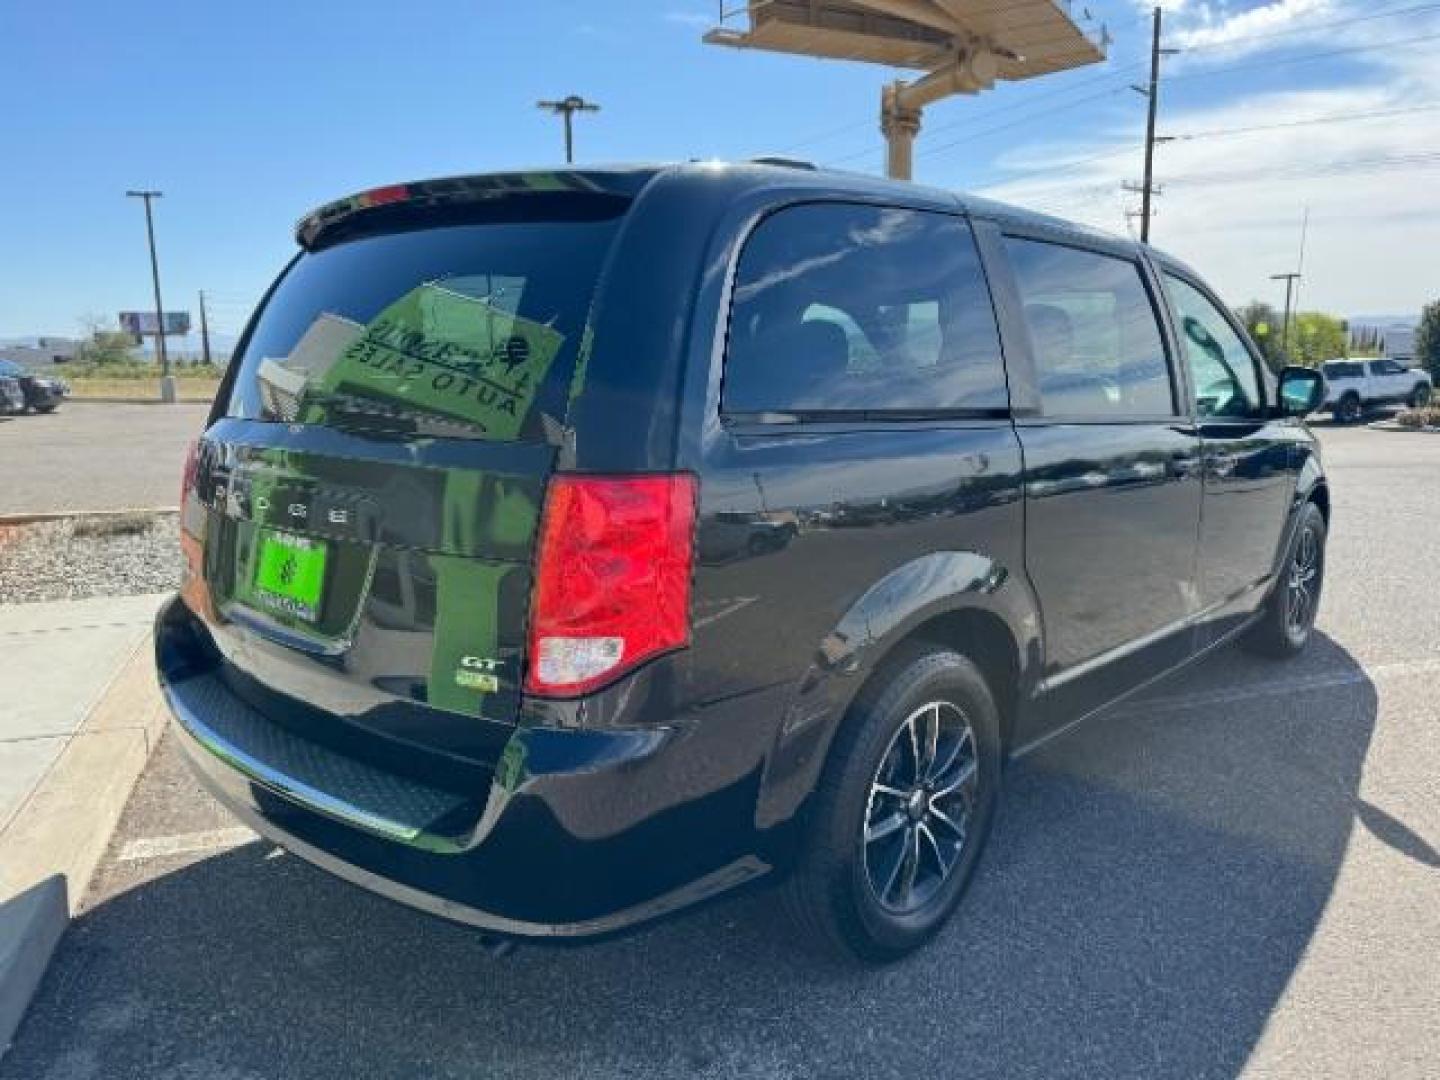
(1153,882)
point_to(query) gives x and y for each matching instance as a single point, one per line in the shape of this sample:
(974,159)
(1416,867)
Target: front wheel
(1284,628)
(902,811)
(1420,396)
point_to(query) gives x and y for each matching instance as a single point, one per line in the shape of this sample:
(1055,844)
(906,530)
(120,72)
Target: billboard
(140,324)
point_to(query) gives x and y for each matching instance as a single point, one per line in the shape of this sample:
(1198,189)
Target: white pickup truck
(1353,386)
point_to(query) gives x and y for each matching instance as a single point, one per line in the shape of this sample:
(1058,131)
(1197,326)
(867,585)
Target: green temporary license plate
(290,576)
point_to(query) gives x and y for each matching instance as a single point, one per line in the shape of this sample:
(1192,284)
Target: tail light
(187,478)
(612,584)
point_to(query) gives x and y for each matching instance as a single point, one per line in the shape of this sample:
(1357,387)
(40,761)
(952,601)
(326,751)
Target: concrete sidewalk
(80,715)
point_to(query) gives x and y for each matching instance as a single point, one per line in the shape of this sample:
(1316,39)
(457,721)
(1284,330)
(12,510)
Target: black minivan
(567,547)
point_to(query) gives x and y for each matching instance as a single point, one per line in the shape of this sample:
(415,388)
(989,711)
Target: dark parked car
(42,393)
(472,615)
(12,396)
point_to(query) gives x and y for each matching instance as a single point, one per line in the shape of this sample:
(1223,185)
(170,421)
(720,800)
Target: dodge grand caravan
(565,548)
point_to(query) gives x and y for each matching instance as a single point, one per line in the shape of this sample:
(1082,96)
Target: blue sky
(248,115)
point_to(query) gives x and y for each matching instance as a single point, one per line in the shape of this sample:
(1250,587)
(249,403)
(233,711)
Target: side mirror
(1302,391)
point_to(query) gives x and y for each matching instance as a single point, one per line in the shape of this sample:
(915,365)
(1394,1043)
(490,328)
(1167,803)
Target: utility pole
(1293,282)
(567,108)
(167,384)
(1290,280)
(1147,189)
(204,331)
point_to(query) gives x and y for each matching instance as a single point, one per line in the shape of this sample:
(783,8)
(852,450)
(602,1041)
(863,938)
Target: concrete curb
(1391,425)
(54,844)
(33,518)
(138,401)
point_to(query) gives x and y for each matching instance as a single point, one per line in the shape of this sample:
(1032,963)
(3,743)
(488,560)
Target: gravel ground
(76,558)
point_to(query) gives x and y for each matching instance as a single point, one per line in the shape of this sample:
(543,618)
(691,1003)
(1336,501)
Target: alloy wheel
(922,798)
(1303,586)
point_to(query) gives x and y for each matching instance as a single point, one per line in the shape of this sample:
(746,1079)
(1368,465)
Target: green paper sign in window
(440,352)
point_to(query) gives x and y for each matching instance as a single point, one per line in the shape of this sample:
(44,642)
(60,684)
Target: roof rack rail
(784,162)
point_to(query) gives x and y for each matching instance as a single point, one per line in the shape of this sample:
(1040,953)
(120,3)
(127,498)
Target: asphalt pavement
(1237,874)
(96,455)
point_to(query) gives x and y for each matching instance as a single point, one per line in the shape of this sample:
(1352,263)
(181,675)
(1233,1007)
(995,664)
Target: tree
(1365,341)
(102,345)
(106,347)
(1316,337)
(1264,326)
(1427,339)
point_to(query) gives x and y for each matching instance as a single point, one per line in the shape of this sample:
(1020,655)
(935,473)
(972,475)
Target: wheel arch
(991,619)
(980,636)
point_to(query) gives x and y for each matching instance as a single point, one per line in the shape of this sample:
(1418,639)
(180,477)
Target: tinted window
(466,330)
(1097,346)
(1386,367)
(861,308)
(1344,371)
(1222,369)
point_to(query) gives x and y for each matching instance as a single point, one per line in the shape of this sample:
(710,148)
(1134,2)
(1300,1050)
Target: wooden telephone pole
(1148,189)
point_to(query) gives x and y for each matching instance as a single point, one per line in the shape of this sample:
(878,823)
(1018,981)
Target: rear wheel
(1289,618)
(1420,396)
(1349,409)
(902,811)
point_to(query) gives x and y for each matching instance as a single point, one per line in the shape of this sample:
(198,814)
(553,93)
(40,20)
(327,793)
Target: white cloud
(1232,205)
(1210,26)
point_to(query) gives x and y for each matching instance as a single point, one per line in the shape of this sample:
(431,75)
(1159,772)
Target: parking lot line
(159,847)
(1375,673)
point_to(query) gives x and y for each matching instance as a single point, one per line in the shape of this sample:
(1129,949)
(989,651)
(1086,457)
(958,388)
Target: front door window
(1222,370)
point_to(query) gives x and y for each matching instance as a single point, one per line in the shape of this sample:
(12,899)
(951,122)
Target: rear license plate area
(290,574)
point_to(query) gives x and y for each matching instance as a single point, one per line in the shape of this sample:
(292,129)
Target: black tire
(837,894)
(1284,630)
(1349,409)
(46,408)
(1420,396)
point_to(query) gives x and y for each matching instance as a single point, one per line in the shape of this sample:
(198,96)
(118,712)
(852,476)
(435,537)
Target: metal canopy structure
(961,46)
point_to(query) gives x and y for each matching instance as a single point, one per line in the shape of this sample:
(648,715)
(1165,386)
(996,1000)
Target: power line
(914,59)
(1226,69)
(1250,39)
(1338,118)
(972,136)
(1071,166)
(1351,166)
(1205,73)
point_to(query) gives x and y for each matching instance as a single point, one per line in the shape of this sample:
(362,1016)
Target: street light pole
(167,387)
(567,108)
(204,331)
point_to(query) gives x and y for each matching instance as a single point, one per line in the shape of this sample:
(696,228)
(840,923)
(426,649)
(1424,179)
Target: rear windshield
(452,331)
(1343,371)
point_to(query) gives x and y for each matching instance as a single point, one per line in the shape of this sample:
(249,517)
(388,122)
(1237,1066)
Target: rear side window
(462,331)
(841,308)
(1344,371)
(1097,345)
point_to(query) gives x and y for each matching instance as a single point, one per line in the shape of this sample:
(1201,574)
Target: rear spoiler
(461,190)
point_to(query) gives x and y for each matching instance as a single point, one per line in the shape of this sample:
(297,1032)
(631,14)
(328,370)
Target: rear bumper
(579,833)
